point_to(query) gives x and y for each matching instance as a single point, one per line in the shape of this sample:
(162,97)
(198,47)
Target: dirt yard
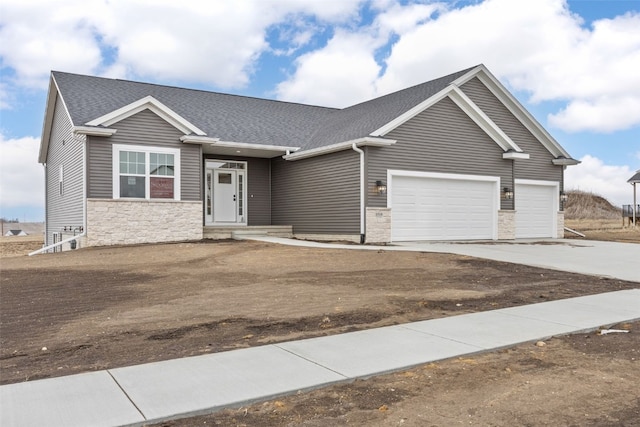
(100,308)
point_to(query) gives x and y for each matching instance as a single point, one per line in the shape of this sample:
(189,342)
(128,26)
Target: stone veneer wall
(378,222)
(561,225)
(506,225)
(124,222)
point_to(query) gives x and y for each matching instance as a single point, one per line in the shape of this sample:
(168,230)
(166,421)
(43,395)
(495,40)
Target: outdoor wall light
(563,197)
(381,188)
(508,193)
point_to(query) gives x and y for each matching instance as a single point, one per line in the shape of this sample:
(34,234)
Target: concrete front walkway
(606,259)
(141,394)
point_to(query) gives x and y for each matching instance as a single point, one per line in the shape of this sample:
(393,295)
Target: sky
(574,64)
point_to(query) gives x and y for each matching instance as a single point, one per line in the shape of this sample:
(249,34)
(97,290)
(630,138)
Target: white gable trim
(150,103)
(515,107)
(466,105)
(340,146)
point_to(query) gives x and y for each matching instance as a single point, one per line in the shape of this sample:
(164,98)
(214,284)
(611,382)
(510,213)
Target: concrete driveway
(606,259)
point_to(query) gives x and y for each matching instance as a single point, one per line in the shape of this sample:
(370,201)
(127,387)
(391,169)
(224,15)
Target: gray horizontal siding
(317,195)
(441,139)
(144,128)
(258,187)
(64,149)
(539,165)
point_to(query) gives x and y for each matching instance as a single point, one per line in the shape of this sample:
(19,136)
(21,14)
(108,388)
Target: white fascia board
(148,102)
(513,155)
(194,139)
(93,131)
(52,99)
(340,146)
(521,113)
(482,120)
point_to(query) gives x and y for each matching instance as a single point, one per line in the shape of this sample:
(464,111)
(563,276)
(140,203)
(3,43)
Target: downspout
(84,187)
(362,191)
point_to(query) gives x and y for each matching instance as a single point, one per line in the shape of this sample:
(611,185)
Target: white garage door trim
(552,211)
(494,180)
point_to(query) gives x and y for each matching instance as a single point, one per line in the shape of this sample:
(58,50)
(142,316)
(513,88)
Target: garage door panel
(442,209)
(535,211)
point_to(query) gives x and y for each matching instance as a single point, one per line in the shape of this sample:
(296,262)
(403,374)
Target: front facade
(457,158)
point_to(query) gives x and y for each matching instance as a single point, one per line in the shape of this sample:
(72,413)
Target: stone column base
(378,225)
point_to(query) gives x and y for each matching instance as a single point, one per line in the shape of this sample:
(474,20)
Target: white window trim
(147,150)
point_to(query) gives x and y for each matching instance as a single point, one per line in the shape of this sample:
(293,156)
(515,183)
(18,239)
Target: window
(146,172)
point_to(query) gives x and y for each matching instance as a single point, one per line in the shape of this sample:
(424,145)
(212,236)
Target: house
(456,158)
(15,233)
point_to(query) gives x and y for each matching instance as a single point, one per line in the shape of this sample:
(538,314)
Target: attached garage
(430,206)
(536,205)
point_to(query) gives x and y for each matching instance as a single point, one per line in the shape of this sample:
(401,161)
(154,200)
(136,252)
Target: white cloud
(540,48)
(608,181)
(213,42)
(21,176)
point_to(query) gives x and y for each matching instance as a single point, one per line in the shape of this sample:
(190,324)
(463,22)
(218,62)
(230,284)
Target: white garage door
(425,208)
(535,210)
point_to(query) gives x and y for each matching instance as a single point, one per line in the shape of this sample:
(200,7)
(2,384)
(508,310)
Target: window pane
(132,162)
(132,186)
(161,164)
(224,178)
(161,188)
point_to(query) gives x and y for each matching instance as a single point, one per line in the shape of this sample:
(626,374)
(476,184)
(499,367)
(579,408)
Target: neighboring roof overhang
(93,131)
(514,106)
(215,146)
(152,104)
(469,107)
(340,146)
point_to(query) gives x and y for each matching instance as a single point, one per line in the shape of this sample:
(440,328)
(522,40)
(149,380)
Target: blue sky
(575,65)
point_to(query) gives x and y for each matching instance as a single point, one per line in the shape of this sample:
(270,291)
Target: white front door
(225,192)
(225,196)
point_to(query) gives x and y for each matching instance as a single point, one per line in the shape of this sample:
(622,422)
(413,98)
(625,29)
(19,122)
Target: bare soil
(107,307)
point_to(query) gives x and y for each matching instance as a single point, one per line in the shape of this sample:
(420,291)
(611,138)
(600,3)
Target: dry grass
(589,206)
(19,245)
(611,230)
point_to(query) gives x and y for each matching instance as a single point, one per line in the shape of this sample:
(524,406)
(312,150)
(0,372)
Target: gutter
(355,148)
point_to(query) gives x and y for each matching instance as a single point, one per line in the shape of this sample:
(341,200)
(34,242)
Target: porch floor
(229,232)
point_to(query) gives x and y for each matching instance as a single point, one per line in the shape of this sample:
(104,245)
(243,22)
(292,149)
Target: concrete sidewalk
(606,259)
(153,392)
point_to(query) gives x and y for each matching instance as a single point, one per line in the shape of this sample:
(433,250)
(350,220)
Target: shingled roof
(228,117)
(245,119)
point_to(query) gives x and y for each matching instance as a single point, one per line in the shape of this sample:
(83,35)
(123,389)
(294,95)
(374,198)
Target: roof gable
(152,104)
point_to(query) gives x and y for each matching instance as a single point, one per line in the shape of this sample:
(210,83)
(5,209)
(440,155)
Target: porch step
(230,232)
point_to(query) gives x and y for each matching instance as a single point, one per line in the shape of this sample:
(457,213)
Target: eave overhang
(513,155)
(93,131)
(340,146)
(213,145)
(564,161)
